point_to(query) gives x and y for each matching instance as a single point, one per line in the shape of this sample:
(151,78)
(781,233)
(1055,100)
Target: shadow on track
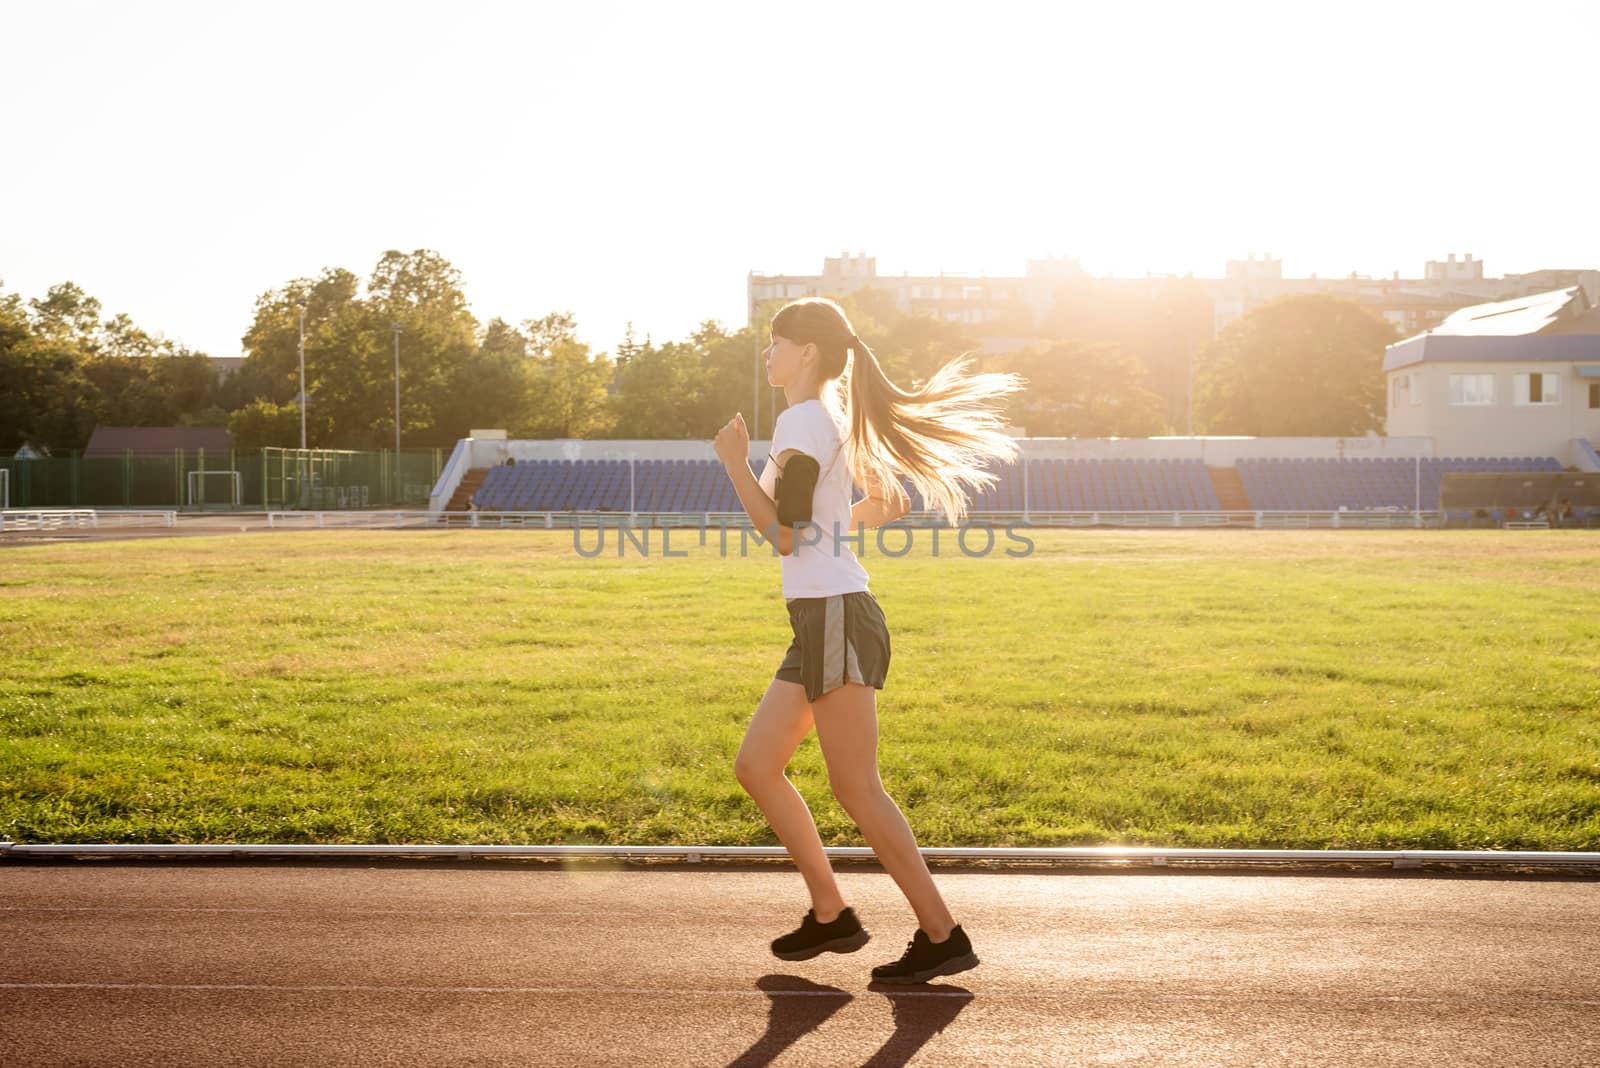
(796,1007)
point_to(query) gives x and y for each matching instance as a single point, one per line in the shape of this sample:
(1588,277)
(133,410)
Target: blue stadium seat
(1069,484)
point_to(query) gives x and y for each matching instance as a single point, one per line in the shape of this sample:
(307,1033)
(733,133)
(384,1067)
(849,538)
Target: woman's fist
(733,442)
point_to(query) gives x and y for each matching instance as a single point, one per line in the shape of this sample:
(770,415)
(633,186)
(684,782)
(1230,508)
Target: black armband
(795,487)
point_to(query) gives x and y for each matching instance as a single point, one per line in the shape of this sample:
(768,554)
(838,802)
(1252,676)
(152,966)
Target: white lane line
(637,991)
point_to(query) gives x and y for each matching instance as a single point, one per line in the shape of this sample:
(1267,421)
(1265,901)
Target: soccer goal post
(196,480)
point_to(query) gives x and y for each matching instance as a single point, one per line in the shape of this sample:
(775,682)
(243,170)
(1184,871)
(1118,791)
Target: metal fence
(1259,520)
(196,480)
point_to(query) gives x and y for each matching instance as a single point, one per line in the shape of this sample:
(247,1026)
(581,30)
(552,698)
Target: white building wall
(1406,413)
(1503,428)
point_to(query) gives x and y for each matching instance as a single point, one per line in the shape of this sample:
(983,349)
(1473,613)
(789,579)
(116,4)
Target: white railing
(1156,856)
(1258,519)
(81,518)
(356,520)
(299,520)
(455,469)
(1588,459)
(65,518)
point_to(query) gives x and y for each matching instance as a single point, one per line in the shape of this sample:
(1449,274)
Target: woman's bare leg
(781,723)
(847,729)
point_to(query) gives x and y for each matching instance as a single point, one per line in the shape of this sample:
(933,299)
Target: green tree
(1296,367)
(490,388)
(123,392)
(725,379)
(628,349)
(73,372)
(349,353)
(503,339)
(119,337)
(567,387)
(423,293)
(262,423)
(67,317)
(45,398)
(353,388)
(187,384)
(1083,389)
(271,367)
(655,394)
(545,334)
(14,326)
(1161,322)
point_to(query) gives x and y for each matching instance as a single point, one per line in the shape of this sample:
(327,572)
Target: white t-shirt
(821,565)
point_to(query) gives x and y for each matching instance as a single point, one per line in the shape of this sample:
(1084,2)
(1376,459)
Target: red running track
(277,964)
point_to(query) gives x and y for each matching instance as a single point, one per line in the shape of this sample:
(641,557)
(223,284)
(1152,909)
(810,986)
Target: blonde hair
(940,436)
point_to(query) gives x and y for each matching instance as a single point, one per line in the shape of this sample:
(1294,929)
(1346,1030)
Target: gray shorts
(838,639)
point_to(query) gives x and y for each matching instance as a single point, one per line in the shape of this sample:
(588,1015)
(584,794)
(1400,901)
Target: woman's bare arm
(881,505)
(762,510)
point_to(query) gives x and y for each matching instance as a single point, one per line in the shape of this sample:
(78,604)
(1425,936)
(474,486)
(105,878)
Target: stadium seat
(1052,485)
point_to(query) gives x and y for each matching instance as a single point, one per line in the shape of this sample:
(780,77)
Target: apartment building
(1009,311)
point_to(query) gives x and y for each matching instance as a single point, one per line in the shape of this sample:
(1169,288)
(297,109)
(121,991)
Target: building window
(1396,390)
(1594,394)
(1474,390)
(1537,388)
(1414,381)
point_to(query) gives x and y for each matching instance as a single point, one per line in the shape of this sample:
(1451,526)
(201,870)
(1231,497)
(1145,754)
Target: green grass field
(1318,689)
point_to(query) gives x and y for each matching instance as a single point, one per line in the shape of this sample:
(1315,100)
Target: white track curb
(1155,856)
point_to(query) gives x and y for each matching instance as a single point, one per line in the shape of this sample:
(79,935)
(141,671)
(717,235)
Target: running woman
(845,420)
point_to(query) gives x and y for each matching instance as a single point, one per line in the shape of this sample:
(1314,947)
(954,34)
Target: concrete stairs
(1231,496)
(469,485)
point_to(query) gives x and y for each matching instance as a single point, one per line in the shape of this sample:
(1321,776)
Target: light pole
(755,403)
(396,328)
(302,306)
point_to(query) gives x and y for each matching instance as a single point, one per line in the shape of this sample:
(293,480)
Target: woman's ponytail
(941,437)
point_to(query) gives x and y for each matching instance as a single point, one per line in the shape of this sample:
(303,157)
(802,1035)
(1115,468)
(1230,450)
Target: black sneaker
(923,960)
(843,935)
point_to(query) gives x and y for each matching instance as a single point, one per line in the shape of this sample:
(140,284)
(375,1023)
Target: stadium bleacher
(1053,485)
(603,486)
(701,486)
(1356,484)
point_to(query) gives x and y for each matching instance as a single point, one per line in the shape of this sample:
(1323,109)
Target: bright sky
(633,161)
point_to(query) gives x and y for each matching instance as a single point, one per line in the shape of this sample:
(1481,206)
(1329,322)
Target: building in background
(1011,312)
(1517,377)
(1004,312)
(117,440)
(1412,305)
(226,365)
